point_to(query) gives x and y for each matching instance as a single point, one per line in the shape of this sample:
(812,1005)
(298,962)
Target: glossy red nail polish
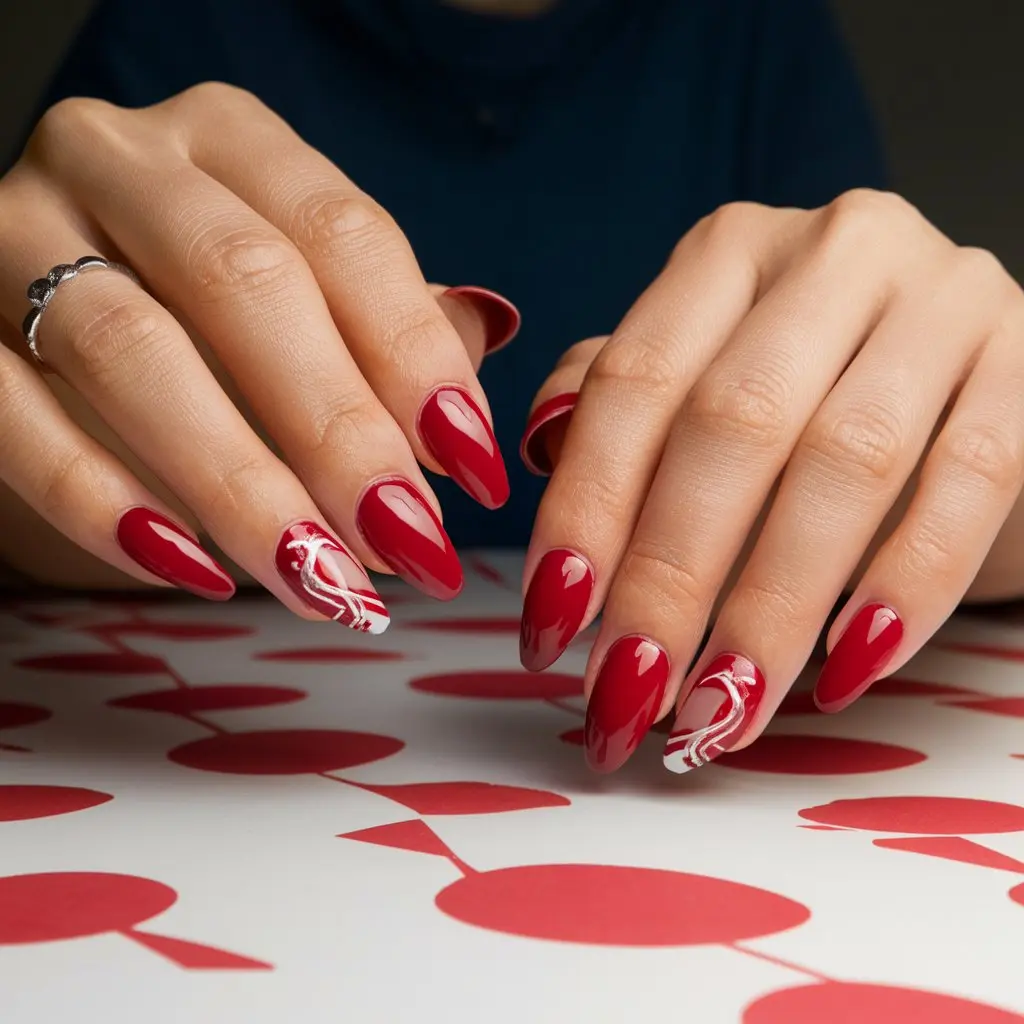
(328,579)
(554,607)
(629,690)
(455,432)
(861,653)
(166,550)
(501,318)
(399,524)
(716,712)
(545,432)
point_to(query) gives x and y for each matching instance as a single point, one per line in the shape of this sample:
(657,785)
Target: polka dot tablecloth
(222,814)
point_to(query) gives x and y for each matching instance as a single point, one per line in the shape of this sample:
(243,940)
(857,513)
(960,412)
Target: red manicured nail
(455,432)
(166,550)
(501,318)
(861,653)
(399,524)
(716,712)
(328,579)
(629,690)
(545,432)
(554,608)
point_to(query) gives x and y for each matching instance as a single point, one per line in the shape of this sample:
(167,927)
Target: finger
(969,483)
(486,321)
(406,348)
(553,405)
(80,489)
(131,360)
(849,468)
(632,392)
(729,444)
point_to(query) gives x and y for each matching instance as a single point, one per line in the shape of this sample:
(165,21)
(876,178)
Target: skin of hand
(804,403)
(277,383)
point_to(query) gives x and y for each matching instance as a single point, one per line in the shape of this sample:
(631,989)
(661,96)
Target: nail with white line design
(328,579)
(716,712)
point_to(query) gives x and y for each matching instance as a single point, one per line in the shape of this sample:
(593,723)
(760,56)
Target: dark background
(945,76)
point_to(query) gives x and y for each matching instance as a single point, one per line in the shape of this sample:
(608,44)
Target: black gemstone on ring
(57,274)
(39,291)
(90,261)
(29,322)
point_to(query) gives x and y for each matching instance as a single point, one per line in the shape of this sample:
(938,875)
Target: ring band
(42,290)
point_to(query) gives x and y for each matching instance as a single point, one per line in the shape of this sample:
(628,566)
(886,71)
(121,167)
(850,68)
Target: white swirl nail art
(715,713)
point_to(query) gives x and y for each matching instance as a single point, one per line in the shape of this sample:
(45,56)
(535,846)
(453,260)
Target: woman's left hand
(787,378)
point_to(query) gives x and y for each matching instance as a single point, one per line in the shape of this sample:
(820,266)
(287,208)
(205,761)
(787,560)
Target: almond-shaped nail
(501,318)
(716,713)
(401,527)
(545,431)
(555,604)
(627,694)
(163,548)
(454,430)
(328,579)
(859,657)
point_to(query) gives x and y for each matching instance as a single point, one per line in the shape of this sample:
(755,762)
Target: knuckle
(753,408)
(67,480)
(98,342)
(235,485)
(348,429)
(865,440)
(330,223)
(864,213)
(67,121)
(772,599)
(987,453)
(654,566)
(978,264)
(242,261)
(635,366)
(926,552)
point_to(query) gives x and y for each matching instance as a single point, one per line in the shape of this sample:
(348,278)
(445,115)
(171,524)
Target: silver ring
(42,290)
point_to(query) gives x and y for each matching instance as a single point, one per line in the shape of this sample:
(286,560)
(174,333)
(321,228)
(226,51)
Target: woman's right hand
(298,307)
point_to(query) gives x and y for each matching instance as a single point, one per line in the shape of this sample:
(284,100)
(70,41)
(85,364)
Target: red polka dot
(67,905)
(467,797)
(954,848)
(500,685)
(285,751)
(920,815)
(329,655)
(483,626)
(416,836)
(574,737)
(1017,894)
(1010,707)
(209,698)
(108,663)
(597,904)
(820,755)
(12,716)
(851,1003)
(175,630)
(22,803)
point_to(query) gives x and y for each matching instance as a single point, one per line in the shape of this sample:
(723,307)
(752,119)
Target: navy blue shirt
(556,159)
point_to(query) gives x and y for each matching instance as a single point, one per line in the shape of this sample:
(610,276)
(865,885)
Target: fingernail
(554,607)
(859,656)
(545,432)
(163,548)
(455,432)
(328,579)
(401,527)
(501,318)
(626,697)
(715,714)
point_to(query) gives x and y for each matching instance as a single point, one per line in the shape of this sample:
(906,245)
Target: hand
(759,412)
(306,313)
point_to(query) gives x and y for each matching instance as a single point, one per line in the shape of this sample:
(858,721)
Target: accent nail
(455,432)
(859,657)
(163,548)
(716,712)
(325,576)
(401,527)
(555,604)
(627,694)
(501,318)
(545,432)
